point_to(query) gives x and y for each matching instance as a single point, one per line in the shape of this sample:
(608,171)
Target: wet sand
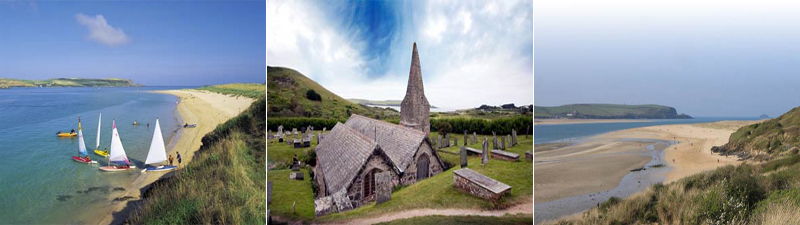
(598,164)
(207,110)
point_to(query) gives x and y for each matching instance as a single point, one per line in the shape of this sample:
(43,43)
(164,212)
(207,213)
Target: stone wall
(376,161)
(475,189)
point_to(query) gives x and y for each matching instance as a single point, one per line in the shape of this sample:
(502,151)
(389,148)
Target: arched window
(369,183)
(422,166)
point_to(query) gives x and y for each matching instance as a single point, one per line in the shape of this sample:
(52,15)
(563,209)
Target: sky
(705,58)
(471,52)
(155,43)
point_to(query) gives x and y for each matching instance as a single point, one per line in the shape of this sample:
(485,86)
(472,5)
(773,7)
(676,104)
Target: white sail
(117,154)
(98,131)
(158,152)
(81,144)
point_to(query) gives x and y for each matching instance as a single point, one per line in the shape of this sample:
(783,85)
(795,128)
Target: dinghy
(97,147)
(84,156)
(116,154)
(67,134)
(157,153)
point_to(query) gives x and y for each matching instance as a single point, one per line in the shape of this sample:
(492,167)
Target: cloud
(101,32)
(469,55)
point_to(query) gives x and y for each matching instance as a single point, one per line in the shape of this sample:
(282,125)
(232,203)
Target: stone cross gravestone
(280,129)
(485,155)
(383,187)
(463,156)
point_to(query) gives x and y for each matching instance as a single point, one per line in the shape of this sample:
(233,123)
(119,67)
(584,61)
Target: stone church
(350,156)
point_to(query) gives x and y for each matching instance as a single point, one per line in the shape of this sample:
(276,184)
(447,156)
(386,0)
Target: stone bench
(504,155)
(479,185)
(473,151)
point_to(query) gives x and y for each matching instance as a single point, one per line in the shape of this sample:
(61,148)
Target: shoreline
(582,121)
(204,108)
(567,176)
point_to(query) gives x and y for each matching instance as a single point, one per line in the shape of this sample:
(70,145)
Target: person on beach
(170,159)
(179,160)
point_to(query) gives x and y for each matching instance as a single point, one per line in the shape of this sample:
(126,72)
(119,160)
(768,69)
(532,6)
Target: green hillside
(68,82)
(238,89)
(608,111)
(767,139)
(292,94)
(376,102)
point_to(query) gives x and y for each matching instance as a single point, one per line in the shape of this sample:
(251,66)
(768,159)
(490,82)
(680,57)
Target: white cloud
(101,31)
(485,59)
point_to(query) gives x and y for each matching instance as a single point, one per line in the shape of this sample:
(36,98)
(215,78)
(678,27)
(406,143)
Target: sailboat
(157,153)
(97,147)
(117,154)
(84,156)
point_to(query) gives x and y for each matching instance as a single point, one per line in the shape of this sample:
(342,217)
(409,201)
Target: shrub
(313,96)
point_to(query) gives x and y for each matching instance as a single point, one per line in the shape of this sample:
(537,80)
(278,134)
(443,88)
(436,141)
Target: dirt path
(524,208)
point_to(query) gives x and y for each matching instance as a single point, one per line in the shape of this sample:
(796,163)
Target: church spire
(415,109)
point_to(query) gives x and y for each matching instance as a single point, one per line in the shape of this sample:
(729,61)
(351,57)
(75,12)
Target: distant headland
(607,111)
(68,82)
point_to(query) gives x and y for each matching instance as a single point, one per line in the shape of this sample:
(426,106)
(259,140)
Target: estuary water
(39,182)
(548,133)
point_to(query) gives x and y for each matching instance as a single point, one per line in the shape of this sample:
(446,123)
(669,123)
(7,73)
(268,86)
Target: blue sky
(471,52)
(153,43)
(705,58)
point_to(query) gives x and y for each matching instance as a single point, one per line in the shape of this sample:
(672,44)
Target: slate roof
(398,142)
(342,154)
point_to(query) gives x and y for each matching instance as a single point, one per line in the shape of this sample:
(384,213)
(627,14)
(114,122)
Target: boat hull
(116,168)
(83,160)
(101,153)
(68,134)
(160,168)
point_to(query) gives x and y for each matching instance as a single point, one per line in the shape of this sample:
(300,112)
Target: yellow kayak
(101,152)
(68,134)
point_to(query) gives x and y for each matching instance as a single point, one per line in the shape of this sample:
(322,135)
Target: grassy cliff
(291,94)
(238,89)
(608,111)
(224,183)
(68,82)
(767,139)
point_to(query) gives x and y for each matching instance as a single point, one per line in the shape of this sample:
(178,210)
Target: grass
(224,183)
(280,154)
(456,220)
(238,89)
(285,192)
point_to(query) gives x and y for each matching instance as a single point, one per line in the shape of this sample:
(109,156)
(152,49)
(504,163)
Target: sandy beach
(207,110)
(599,163)
(575,121)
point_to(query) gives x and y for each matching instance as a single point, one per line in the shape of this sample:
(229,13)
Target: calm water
(566,132)
(39,182)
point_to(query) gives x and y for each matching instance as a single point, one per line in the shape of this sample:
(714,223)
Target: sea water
(39,181)
(548,133)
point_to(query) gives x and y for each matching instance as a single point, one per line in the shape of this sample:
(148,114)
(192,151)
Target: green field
(238,89)
(68,82)
(435,192)
(608,111)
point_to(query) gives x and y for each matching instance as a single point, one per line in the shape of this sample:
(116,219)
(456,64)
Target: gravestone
(466,140)
(439,144)
(529,156)
(446,140)
(317,139)
(280,129)
(294,131)
(502,143)
(455,141)
(296,176)
(474,137)
(269,192)
(383,187)
(526,131)
(296,167)
(269,134)
(463,156)
(485,155)
(494,142)
(510,141)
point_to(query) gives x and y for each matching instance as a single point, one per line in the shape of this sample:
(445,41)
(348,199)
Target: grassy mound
(223,184)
